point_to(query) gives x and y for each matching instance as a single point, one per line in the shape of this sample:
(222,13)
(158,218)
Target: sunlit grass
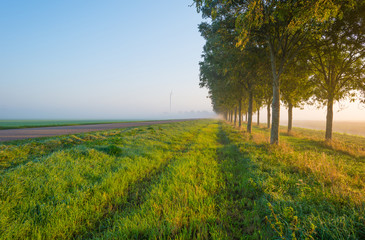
(320,185)
(191,180)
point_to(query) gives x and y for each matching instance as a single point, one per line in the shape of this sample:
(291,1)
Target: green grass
(310,188)
(16,124)
(200,179)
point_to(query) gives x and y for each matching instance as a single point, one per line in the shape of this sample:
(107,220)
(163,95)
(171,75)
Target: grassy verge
(190,180)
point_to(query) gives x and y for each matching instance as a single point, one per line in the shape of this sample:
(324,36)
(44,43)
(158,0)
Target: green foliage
(337,56)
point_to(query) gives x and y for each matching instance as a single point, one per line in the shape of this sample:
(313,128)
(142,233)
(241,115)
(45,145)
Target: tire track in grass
(180,203)
(136,192)
(149,172)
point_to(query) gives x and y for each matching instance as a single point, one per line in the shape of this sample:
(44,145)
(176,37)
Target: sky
(92,59)
(99,59)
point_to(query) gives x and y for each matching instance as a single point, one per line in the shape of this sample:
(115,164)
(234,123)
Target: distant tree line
(263,53)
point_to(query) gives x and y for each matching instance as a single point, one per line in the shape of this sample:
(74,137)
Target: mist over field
(354,128)
(110,117)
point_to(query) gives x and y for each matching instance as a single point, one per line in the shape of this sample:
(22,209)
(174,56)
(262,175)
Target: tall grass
(311,189)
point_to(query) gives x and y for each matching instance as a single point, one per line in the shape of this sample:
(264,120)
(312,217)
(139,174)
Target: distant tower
(170,99)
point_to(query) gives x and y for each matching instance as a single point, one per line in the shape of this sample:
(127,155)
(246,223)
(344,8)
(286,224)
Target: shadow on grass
(303,143)
(299,190)
(136,195)
(241,196)
(112,150)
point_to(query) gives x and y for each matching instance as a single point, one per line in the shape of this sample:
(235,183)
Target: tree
(263,90)
(296,89)
(216,69)
(337,57)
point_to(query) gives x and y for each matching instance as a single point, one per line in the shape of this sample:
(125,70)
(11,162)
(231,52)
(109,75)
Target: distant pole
(170,99)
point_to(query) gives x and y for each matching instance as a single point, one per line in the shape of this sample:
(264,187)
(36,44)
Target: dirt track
(17,134)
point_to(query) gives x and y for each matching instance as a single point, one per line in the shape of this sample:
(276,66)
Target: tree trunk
(274,136)
(274,139)
(240,113)
(235,116)
(329,120)
(268,116)
(250,107)
(258,116)
(246,117)
(290,117)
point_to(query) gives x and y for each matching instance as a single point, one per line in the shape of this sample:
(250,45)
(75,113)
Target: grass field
(15,124)
(200,179)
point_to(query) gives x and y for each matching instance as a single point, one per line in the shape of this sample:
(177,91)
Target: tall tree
(296,89)
(263,90)
(249,69)
(338,56)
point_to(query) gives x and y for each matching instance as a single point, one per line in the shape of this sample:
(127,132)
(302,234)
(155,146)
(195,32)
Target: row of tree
(268,52)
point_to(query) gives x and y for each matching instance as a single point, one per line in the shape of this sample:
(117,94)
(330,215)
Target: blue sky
(99,59)
(113,59)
